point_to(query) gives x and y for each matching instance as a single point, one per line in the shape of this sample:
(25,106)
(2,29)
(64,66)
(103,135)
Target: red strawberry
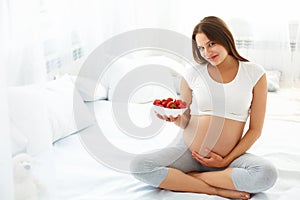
(164,103)
(169,99)
(172,105)
(157,102)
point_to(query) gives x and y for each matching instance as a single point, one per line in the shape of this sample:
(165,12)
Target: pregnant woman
(221,93)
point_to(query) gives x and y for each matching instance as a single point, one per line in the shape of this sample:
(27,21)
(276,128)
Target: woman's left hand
(212,159)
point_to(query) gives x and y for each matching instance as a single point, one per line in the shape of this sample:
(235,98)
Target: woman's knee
(137,166)
(267,177)
(256,178)
(148,171)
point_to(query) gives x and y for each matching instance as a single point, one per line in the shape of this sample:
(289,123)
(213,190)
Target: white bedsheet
(80,177)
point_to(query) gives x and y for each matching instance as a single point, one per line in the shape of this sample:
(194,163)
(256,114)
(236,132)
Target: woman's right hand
(176,120)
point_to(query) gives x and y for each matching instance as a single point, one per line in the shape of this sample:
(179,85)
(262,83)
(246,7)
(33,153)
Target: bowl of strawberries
(169,107)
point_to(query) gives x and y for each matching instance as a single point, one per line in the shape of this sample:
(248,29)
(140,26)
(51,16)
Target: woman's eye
(211,44)
(200,48)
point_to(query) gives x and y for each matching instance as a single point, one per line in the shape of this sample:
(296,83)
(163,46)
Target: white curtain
(21,63)
(6,172)
(48,35)
(262,28)
(26,61)
(295,53)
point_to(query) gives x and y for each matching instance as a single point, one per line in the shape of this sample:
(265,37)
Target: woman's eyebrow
(206,43)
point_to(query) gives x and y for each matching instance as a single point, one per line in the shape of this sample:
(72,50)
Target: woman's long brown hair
(216,30)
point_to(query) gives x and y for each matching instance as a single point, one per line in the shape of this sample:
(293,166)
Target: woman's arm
(257,116)
(185,95)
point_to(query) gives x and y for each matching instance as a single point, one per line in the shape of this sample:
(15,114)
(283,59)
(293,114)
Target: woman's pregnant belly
(215,133)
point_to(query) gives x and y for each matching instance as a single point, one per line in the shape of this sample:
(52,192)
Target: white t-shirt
(229,100)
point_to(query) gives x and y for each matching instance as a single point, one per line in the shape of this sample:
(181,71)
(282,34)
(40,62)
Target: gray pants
(250,173)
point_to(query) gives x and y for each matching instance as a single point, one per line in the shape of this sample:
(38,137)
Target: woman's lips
(212,58)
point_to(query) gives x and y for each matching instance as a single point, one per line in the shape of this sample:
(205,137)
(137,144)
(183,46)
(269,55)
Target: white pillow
(85,87)
(66,110)
(19,141)
(122,66)
(30,128)
(273,80)
(41,114)
(113,74)
(73,67)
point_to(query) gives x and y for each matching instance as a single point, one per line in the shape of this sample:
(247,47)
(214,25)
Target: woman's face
(214,53)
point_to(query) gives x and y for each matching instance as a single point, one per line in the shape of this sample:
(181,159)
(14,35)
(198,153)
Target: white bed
(80,177)
(70,171)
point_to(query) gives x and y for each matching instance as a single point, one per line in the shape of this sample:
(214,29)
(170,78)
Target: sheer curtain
(26,62)
(295,53)
(49,35)
(22,62)
(6,174)
(260,28)
(72,29)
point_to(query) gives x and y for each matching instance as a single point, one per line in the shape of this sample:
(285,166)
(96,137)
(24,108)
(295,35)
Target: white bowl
(168,111)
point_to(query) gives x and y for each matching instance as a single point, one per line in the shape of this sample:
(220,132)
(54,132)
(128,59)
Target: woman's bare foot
(225,192)
(232,194)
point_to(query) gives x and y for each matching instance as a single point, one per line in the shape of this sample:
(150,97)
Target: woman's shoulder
(191,69)
(253,70)
(252,66)
(193,73)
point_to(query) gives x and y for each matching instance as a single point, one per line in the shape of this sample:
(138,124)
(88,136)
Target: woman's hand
(212,159)
(169,119)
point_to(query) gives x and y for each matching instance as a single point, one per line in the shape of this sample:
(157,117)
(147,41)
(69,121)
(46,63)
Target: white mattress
(78,176)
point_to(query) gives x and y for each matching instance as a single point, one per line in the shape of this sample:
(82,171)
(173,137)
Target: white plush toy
(27,187)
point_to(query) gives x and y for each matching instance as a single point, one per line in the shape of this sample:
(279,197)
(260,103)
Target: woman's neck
(229,62)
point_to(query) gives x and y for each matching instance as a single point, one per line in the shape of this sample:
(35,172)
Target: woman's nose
(205,51)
